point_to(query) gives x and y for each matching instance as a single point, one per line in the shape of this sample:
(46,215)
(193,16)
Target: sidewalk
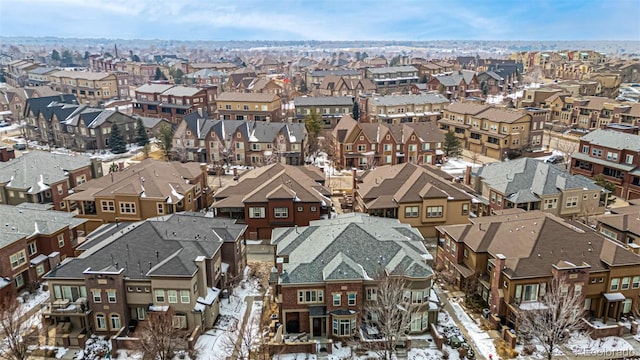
(243,324)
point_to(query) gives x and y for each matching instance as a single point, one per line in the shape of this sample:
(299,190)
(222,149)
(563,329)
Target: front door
(317,326)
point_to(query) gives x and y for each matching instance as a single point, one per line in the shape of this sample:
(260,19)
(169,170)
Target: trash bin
(485,313)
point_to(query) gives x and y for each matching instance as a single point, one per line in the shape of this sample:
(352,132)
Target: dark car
(20,146)
(555,159)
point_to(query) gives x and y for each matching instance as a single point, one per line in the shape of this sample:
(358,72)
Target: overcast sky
(324,19)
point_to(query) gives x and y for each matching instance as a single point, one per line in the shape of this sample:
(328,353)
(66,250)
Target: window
(434,211)
(628,159)
(40,269)
(387,147)
(615,284)
(612,156)
(160,207)
(18,259)
(608,233)
(625,283)
(19,281)
(310,296)
(626,305)
(465,209)
(530,292)
(281,212)
(108,206)
(61,240)
(111,296)
(336,299)
(79,180)
(493,198)
(465,253)
(97,296)
(372,294)
(127,208)
(351,299)
(635,284)
(179,321)
(101,322)
(596,152)
(550,203)
(572,201)
(33,248)
(300,208)
(314,209)
(115,322)
(344,327)
(172,295)
(72,293)
(585,149)
(256,212)
(141,312)
(499,199)
(184,296)
(411,211)
(159,295)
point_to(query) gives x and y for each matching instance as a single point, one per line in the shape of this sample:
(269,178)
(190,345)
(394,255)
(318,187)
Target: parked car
(20,146)
(3,123)
(555,159)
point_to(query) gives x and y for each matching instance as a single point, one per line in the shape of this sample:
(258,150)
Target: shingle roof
(247,97)
(35,171)
(320,73)
(163,246)
(613,139)
(392,69)
(24,221)
(395,100)
(351,246)
(323,101)
(527,180)
(89,75)
(467,108)
(154,88)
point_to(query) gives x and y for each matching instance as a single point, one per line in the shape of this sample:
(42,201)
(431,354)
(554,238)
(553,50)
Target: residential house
(460,84)
(239,142)
(237,78)
(334,85)
(78,127)
(615,155)
(623,226)
(39,76)
(430,69)
(249,106)
(17,71)
(33,240)
(323,287)
(176,264)
(6,154)
(147,189)
(365,145)
(275,195)
(315,78)
(173,102)
(94,88)
(495,132)
(513,279)
(329,108)
(206,77)
(261,85)
(395,109)
(502,79)
(393,79)
(43,177)
(531,184)
(592,112)
(418,195)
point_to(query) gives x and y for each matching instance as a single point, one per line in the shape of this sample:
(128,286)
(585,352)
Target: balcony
(492,145)
(582,171)
(65,307)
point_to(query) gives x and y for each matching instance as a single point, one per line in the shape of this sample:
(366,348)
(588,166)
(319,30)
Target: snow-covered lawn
(483,343)
(582,345)
(456,166)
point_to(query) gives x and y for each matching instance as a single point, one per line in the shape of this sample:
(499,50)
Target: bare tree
(14,330)
(158,336)
(552,320)
(566,147)
(388,316)
(242,343)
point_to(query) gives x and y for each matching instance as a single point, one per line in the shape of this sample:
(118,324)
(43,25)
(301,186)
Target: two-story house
(495,132)
(393,79)
(395,109)
(329,271)
(173,102)
(334,85)
(530,184)
(275,196)
(93,88)
(33,240)
(614,154)
(17,71)
(420,196)
(365,145)
(622,225)
(515,258)
(329,108)
(141,191)
(314,78)
(127,271)
(249,106)
(42,177)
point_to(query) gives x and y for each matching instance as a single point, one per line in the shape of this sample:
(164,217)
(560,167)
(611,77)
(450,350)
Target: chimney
(200,112)
(467,176)
(496,285)
(202,276)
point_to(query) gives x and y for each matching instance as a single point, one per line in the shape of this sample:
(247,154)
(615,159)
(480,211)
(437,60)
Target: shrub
(504,350)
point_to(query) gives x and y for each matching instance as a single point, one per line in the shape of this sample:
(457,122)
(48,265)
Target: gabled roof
(35,171)
(40,105)
(534,241)
(527,180)
(248,97)
(613,139)
(154,88)
(468,108)
(629,222)
(323,101)
(163,246)
(350,247)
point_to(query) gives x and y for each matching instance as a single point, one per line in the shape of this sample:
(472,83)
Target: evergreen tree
(55,55)
(159,75)
(164,140)
(423,79)
(86,55)
(452,146)
(67,57)
(303,87)
(356,110)
(116,141)
(142,138)
(314,124)
(135,58)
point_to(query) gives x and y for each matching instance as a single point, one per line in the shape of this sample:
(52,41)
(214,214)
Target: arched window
(101,322)
(115,322)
